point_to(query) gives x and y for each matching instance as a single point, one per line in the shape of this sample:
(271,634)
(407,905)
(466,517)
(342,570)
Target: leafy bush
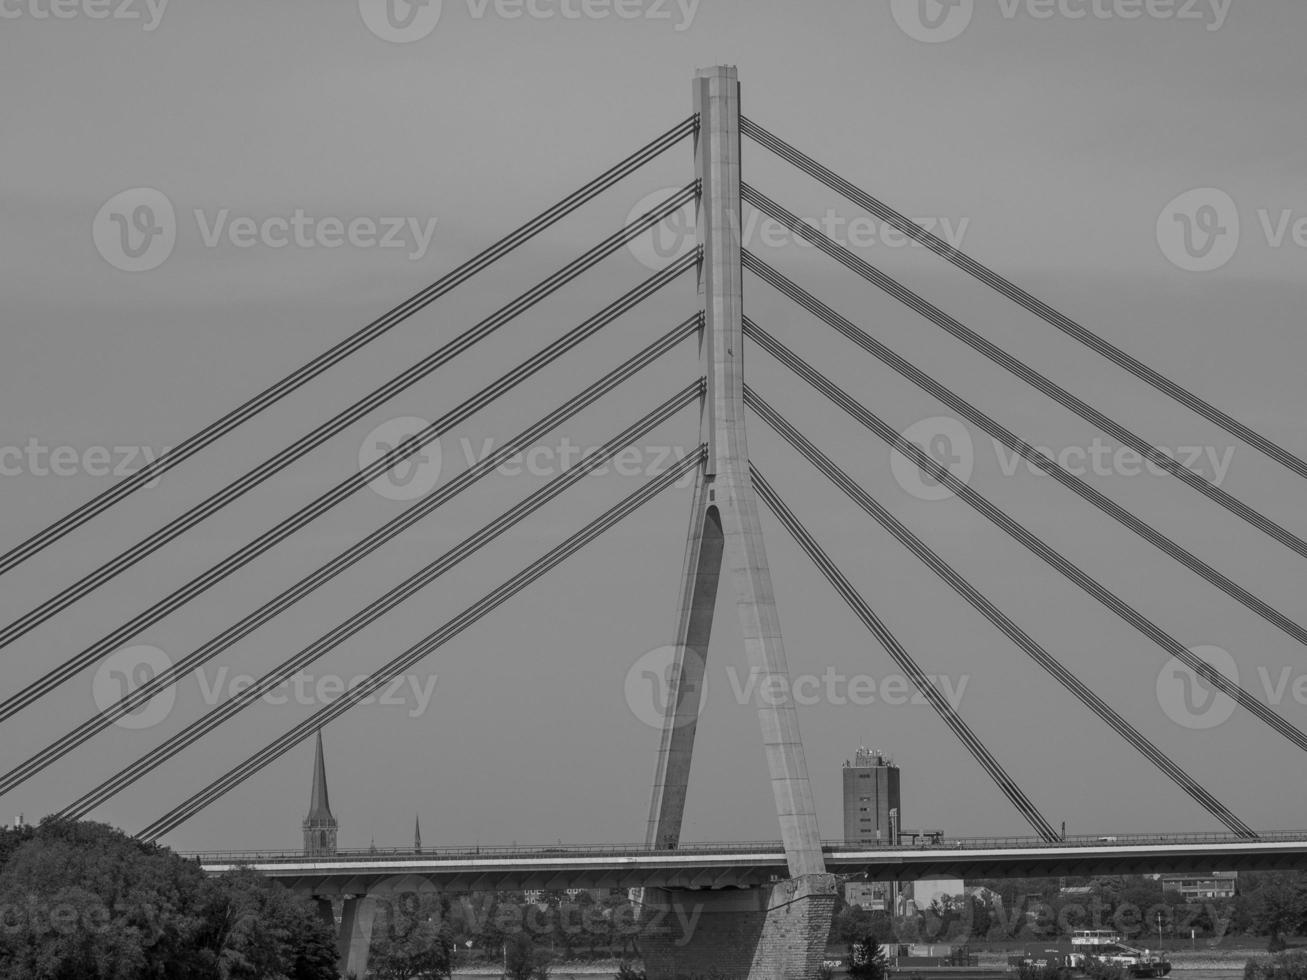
(1283,966)
(1028,971)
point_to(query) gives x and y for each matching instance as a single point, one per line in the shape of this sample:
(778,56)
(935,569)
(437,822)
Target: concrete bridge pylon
(778,931)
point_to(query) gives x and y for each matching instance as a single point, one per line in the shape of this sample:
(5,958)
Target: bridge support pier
(325,912)
(354,940)
(776,932)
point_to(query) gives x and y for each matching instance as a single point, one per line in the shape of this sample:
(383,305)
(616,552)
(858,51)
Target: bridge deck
(743,864)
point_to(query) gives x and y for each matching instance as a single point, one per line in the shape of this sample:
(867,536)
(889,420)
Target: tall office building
(872,813)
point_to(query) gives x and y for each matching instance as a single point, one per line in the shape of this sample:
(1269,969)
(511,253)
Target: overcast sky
(1056,139)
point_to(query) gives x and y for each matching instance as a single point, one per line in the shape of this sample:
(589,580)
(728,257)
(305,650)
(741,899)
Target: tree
(84,900)
(1277,907)
(524,960)
(1284,966)
(415,940)
(866,959)
(1028,971)
(851,924)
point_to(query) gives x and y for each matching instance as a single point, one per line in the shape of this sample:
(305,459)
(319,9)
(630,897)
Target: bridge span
(742,865)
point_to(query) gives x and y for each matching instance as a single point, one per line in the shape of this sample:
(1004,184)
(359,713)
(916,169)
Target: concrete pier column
(777,932)
(354,941)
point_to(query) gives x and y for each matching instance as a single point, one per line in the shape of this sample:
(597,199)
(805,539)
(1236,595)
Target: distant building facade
(1218,884)
(870,896)
(872,811)
(319,826)
(872,816)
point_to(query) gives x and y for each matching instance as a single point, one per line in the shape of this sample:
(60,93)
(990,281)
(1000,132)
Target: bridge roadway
(486,868)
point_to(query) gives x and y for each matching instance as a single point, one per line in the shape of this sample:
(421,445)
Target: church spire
(319,805)
(319,826)
(417,835)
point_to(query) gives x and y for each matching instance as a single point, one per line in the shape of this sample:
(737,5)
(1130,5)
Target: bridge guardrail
(731,847)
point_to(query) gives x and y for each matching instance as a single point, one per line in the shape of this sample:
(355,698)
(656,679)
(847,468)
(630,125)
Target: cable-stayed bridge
(778,928)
